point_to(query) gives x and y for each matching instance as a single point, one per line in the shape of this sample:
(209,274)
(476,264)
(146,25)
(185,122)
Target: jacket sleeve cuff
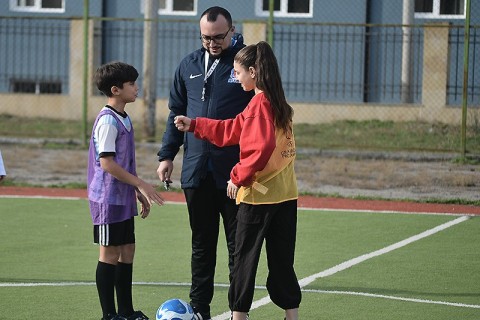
(192,125)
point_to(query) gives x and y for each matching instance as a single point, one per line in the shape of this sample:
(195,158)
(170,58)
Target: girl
(263,182)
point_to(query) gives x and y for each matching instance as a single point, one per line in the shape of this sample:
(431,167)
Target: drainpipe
(366,73)
(466,51)
(407,21)
(271,10)
(150,31)
(85,72)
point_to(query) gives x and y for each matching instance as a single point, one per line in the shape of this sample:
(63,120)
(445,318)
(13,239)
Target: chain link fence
(336,68)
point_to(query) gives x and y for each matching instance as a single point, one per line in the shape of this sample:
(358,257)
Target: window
(38,5)
(286,8)
(440,9)
(174,7)
(36,87)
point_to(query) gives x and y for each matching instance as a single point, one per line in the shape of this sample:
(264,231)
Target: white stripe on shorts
(104,235)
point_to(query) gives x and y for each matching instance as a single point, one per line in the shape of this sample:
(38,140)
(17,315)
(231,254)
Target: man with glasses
(205,86)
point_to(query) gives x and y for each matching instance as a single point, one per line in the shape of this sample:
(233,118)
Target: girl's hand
(182,123)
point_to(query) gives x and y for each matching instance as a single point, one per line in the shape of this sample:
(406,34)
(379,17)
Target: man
(205,86)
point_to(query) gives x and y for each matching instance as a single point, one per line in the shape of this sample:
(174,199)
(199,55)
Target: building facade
(344,52)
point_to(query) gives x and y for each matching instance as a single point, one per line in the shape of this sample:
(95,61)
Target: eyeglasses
(218,39)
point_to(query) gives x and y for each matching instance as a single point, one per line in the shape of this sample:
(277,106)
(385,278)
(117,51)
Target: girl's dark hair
(114,74)
(260,56)
(213,12)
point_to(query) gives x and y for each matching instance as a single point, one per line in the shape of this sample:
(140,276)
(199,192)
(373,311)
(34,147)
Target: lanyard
(209,73)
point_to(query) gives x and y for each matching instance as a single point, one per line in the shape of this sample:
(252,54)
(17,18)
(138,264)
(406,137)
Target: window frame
(168,11)
(435,14)
(40,87)
(283,12)
(37,7)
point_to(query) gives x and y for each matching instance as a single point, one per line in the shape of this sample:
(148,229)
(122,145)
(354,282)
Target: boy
(113,187)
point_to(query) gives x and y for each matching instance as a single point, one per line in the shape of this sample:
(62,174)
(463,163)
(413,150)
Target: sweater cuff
(192,125)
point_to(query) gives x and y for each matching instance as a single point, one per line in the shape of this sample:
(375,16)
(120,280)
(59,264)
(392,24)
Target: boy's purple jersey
(111,200)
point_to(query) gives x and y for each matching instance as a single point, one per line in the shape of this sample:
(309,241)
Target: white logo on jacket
(194,76)
(232,78)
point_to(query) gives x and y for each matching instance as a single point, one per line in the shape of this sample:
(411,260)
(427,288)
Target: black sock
(105,279)
(123,286)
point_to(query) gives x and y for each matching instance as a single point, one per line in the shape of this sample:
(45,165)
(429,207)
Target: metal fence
(345,63)
(25,68)
(326,67)
(456,70)
(320,62)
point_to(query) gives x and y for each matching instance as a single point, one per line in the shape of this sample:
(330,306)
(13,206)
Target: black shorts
(115,234)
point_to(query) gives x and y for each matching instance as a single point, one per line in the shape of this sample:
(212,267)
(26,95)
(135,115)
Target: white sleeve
(106,134)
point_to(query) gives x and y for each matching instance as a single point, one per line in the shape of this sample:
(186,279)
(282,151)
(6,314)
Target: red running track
(303,201)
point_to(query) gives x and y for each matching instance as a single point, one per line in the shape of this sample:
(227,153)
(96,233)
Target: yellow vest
(277,181)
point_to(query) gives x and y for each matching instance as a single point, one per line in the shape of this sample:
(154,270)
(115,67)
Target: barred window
(38,5)
(440,9)
(36,87)
(286,8)
(175,7)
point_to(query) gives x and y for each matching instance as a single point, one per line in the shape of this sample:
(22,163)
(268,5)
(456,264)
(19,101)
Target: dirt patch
(343,174)
(389,179)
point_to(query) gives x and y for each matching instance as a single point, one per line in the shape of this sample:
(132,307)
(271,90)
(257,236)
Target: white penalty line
(350,263)
(347,264)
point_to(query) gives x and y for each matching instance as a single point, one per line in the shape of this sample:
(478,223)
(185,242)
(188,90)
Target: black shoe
(231,317)
(137,315)
(201,316)
(111,316)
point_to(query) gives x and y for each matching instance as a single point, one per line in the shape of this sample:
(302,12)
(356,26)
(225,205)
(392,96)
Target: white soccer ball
(175,309)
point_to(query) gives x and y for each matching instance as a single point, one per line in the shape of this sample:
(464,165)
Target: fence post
(85,72)
(435,71)
(408,14)
(254,32)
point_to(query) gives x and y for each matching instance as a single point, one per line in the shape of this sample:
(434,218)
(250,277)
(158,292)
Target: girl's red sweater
(253,130)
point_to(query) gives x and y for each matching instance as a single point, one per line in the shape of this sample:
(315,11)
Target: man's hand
(231,190)
(164,171)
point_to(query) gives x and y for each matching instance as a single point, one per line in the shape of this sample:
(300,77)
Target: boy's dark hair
(213,12)
(114,74)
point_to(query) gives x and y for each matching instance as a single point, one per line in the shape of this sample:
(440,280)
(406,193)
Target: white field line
(305,281)
(364,294)
(65,198)
(299,208)
(225,285)
(387,211)
(347,264)
(350,263)
(40,197)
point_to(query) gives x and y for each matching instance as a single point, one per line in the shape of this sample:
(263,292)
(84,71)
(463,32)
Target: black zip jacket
(224,99)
